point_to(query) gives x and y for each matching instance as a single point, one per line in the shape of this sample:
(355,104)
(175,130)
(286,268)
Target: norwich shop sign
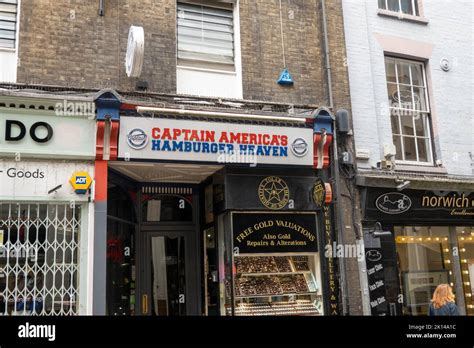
(420,205)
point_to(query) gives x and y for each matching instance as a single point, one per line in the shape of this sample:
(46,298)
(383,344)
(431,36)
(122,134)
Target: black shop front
(213,218)
(416,240)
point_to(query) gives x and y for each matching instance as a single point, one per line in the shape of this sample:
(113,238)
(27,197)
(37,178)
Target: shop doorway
(166,263)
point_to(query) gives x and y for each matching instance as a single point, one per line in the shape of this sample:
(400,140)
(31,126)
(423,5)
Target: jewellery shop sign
(420,205)
(214,142)
(274,233)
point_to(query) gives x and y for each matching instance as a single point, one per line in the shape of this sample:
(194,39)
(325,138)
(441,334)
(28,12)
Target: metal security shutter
(205,33)
(39,246)
(8,11)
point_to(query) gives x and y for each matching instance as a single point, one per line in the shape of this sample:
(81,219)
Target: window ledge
(403,16)
(420,169)
(209,70)
(4,49)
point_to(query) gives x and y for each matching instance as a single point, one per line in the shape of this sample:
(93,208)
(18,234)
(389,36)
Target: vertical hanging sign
(333,285)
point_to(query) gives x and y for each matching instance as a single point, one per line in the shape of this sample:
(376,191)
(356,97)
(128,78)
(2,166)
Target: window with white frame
(206,34)
(409,7)
(8,14)
(409,110)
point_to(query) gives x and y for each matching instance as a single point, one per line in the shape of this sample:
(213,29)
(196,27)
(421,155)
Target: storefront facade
(46,212)
(218,215)
(416,239)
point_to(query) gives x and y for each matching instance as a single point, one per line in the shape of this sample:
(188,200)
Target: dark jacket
(449,308)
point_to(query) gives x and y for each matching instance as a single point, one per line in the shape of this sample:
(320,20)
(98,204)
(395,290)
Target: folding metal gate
(39,258)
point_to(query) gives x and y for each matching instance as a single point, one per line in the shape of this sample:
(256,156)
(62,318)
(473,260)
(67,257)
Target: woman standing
(443,301)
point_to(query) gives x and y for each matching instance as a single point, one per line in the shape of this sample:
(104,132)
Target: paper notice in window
(154,210)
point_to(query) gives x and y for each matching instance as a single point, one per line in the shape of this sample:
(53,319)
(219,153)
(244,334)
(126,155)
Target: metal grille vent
(167,190)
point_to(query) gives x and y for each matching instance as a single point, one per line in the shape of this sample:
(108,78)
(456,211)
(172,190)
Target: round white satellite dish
(135,51)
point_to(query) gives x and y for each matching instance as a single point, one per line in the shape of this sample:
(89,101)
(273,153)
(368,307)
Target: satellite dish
(135,51)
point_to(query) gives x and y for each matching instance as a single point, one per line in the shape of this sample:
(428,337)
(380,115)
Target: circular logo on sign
(393,203)
(319,193)
(274,193)
(299,147)
(373,255)
(137,139)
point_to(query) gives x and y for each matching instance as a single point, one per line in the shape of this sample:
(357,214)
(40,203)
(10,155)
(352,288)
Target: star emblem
(274,193)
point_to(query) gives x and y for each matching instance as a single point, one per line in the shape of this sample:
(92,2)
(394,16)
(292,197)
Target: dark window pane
(393,95)
(166,208)
(419,95)
(403,73)
(398,146)
(407,7)
(395,125)
(393,5)
(420,125)
(407,125)
(390,71)
(410,149)
(405,97)
(417,75)
(382,4)
(423,150)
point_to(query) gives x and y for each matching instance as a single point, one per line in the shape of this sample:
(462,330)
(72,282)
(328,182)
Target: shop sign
(80,182)
(214,142)
(393,203)
(376,279)
(37,180)
(319,193)
(274,192)
(419,205)
(274,233)
(333,284)
(32,135)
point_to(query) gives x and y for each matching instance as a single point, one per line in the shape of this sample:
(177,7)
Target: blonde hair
(442,295)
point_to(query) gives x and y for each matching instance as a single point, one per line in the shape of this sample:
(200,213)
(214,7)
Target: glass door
(164,283)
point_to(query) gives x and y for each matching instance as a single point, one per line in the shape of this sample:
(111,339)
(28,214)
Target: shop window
(8,39)
(166,208)
(121,225)
(466,255)
(266,275)
(39,246)
(409,110)
(425,262)
(409,7)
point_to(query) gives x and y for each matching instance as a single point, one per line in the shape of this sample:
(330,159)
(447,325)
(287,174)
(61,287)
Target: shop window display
(425,262)
(271,283)
(466,255)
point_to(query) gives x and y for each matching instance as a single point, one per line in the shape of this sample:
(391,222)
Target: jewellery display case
(276,284)
(267,268)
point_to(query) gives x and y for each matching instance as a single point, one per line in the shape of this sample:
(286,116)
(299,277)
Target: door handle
(145,304)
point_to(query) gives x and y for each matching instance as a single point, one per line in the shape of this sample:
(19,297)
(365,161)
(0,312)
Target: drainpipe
(326,50)
(335,167)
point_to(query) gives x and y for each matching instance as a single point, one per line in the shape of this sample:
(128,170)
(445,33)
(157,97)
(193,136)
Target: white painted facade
(444,30)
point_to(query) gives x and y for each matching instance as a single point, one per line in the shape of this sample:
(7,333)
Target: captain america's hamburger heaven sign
(199,141)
